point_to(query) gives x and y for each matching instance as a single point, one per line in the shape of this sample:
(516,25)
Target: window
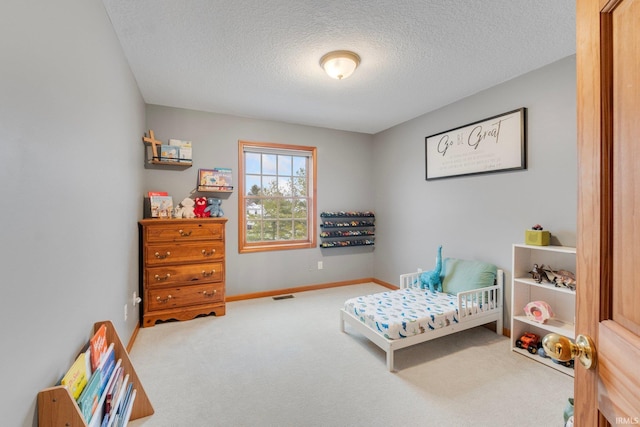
(277,196)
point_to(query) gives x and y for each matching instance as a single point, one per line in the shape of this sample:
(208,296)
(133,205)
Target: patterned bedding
(405,312)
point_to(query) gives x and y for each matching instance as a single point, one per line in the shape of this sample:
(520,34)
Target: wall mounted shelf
(156,158)
(214,189)
(169,162)
(347,229)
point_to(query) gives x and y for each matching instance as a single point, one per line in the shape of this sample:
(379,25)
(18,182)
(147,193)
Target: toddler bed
(471,296)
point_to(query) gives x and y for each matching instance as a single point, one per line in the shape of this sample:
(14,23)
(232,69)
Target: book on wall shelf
(112,395)
(184,150)
(216,179)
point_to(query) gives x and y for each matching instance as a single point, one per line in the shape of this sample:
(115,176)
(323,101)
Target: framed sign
(495,144)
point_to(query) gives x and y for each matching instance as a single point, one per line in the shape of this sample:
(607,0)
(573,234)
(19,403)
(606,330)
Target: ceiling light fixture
(340,64)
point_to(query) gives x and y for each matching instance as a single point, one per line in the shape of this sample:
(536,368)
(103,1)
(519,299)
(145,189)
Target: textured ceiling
(260,59)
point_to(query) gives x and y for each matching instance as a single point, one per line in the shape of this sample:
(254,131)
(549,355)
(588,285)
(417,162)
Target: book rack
(57,407)
(158,159)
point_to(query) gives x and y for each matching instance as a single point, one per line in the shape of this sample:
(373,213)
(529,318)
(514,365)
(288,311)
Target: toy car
(568,364)
(529,341)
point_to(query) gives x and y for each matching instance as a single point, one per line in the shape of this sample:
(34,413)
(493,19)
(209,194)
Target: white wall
(481,216)
(345,174)
(71,118)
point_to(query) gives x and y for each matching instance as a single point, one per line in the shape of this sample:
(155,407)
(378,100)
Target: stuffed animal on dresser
(188,210)
(214,207)
(431,279)
(201,208)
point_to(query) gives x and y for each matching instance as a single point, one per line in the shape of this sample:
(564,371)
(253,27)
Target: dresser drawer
(184,231)
(172,253)
(185,296)
(193,273)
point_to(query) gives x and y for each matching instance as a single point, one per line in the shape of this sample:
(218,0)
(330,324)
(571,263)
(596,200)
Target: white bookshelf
(525,289)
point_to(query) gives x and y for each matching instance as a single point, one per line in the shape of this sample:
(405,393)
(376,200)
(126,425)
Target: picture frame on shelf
(495,144)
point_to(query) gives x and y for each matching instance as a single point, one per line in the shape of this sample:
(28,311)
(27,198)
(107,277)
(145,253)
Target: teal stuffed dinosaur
(431,278)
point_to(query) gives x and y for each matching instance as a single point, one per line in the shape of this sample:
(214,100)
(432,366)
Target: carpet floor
(285,363)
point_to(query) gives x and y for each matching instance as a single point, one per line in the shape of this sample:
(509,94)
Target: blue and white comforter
(405,312)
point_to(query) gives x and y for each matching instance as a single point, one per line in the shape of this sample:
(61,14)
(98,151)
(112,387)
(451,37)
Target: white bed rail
(483,302)
(489,298)
(409,280)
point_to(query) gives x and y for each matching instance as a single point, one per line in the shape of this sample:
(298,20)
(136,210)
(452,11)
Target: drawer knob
(161,256)
(209,294)
(208,253)
(208,273)
(162,301)
(184,233)
(160,278)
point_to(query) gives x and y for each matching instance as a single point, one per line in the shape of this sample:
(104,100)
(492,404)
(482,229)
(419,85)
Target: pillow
(463,275)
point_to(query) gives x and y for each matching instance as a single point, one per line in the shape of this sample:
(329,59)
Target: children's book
(113,389)
(88,400)
(77,376)
(99,346)
(161,206)
(169,153)
(157,193)
(216,178)
(184,150)
(107,365)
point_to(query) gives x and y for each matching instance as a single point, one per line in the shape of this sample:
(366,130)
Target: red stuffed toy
(201,205)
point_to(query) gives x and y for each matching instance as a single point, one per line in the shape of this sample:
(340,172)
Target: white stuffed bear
(188,208)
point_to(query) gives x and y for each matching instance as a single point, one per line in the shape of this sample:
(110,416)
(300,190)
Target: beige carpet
(285,363)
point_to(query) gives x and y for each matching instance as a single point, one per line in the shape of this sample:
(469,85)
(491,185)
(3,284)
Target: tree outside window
(277,200)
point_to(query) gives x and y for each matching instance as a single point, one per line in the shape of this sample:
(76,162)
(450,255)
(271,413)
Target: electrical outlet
(126,312)
(320,266)
(135,298)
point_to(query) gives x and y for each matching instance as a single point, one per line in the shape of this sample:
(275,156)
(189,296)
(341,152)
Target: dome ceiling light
(340,64)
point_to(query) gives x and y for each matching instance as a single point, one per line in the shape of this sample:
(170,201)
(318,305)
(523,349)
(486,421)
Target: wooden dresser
(182,268)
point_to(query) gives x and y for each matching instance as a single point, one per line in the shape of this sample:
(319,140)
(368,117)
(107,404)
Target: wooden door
(608,261)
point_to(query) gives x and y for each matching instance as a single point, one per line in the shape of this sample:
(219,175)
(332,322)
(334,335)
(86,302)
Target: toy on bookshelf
(538,311)
(529,341)
(562,278)
(539,274)
(537,236)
